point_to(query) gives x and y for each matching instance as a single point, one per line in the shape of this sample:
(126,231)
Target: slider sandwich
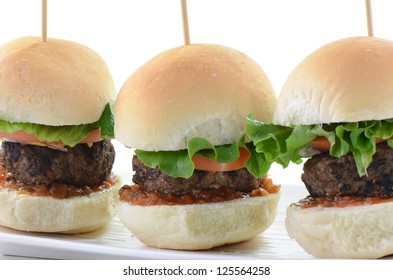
(56,124)
(197,182)
(336,110)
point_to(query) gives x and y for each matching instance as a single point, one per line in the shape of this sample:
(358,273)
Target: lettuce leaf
(282,145)
(70,135)
(179,164)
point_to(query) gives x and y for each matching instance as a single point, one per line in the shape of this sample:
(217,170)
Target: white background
(277,34)
(126,33)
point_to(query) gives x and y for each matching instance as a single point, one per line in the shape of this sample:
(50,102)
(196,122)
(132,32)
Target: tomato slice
(23,137)
(208,164)
(19,136)
(320,143)
(94,136)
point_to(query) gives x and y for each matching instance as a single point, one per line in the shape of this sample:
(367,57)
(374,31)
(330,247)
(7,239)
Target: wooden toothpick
(186,32)
(369,18)
(44,21)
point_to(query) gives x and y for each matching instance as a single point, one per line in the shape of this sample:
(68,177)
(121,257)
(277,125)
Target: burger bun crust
(363,232)
(47,214)
(55,83)
(197,90)
(199,226)
(343,81)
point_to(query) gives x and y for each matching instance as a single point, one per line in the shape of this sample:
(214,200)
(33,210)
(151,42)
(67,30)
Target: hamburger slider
(197,182)
(336,109)
(56,123)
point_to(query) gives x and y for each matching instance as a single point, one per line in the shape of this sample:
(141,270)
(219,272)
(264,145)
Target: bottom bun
(48,214)
(199,226)
(351,232)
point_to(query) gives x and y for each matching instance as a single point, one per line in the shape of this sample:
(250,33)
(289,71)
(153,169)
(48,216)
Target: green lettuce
(179,164)
(282,144)
(70,135)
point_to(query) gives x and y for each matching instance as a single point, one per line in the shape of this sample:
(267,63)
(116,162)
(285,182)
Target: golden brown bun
(200,226)
(194,90)
(53,83)
(48,214)
(347,80)
(351,232)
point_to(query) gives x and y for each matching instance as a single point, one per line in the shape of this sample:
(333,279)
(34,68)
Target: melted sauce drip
(341,202)
(56,190)
(135,196)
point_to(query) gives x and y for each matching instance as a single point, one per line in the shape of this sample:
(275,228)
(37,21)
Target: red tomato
(93,136)
(208,164)
(320,143)
(21,136)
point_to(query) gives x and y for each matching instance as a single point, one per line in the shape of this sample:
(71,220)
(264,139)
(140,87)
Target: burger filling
(153,187)
(348,163)
(334,181)
(37,170)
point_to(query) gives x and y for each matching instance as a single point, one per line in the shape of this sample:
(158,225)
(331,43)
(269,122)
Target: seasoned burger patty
(327,176)
(152,179)
(79,165)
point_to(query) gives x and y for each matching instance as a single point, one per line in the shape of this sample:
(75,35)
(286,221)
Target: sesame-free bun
(47,214)
(58,82)
(199,226)
(351,232)
(347,80)
(194,90)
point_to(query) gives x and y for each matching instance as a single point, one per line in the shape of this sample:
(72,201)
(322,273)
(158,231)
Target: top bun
(195,90)
(348,80)
(53,83)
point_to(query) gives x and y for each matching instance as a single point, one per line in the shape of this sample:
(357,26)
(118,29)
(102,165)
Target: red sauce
(56,190)
(134,195)
(341,202)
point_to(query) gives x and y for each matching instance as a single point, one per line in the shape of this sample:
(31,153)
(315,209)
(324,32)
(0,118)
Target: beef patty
(79,165)
(327,176)
(152,179)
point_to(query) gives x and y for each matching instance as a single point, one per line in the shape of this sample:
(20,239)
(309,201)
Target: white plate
(115,242)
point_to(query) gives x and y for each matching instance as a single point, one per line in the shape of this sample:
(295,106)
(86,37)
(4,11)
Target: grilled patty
(153,180)
(79,165)
(327,176)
